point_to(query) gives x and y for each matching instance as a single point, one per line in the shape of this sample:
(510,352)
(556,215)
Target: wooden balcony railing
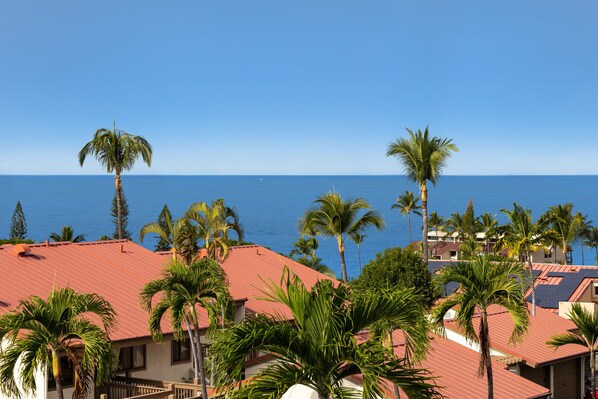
(137,388)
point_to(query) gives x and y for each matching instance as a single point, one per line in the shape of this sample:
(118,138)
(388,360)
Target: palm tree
(585,335)
(335,217)
(592,240)
(584,229)
(567,226)
(67,234)
(180,290)
(406,204)
(38,330)
(357,237)
(483,283)
(423,158)
(522,236)
(214,221)
(437,222)
(117,151)
(318,348)
(454,225)
(489,226)
(181,236)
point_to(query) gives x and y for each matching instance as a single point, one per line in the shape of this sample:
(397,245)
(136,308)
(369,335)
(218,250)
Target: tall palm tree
(181,290)
(67,235)
(584,229)
(522,236)
(592,240)
(483,283)
(304,252)
(454,225)
(38,330)
(357,237)
(335,217)
(423,158)
(318,347)
(117,151)
(567,226)
(407,203)
(489,226)
(181,236)
(214,221)
(586,335)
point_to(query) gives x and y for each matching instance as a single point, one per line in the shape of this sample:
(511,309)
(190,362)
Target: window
(181,350)
(68,374)
(547,255)
(595,289)
(131,358)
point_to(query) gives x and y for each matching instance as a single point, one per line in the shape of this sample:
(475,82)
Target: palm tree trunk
(359,256)
(486,361)
(565,253)
(424,192)
(582,255)
(409,228)
(531,270)
(200,357)
(593,372)
(341,251)
(193,348)
(391,344)
(57,373)
(119,208)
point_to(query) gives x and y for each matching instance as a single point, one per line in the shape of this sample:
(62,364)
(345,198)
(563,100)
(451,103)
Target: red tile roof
(118,270)
(533,349)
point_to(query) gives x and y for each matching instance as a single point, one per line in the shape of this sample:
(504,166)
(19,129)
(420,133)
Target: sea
(270,206)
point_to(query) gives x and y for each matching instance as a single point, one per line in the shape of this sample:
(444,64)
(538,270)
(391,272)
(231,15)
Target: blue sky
(300,87)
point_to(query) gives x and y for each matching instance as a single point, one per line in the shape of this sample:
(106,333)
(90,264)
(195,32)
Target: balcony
(137,388)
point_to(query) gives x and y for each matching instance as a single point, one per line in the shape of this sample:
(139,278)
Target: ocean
(271,206)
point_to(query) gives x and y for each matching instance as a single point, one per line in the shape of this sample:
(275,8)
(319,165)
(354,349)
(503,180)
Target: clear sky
(300,87)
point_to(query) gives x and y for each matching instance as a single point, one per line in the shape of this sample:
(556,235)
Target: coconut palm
(423,158)
(180,291)
(437,223)
(483,283)
(407,203)
(566,225)
(335,217)
(318,348)
(455,225)
(357,237)
(38,330)
(117,151)
(67,235)
(181,236)
(489,226)
(591,240)
(584,229)
(522,236)
(305,247)
(214,222)
(585,335)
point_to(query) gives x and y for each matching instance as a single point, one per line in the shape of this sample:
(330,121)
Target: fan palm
(183,288)
(117,151)
(214,221)
(39,329)
(318,347)
(483,283)
(423,158)
(406,204)
(335,217)
(586,335)
(67,235)
(522,236)
(592,240)
(181,236)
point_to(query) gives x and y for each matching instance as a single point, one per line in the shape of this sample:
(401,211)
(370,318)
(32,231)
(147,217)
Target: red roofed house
(118,270)
(562,371)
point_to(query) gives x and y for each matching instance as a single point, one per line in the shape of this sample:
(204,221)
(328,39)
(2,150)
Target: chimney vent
(20,249)
(122,249)
(47,243)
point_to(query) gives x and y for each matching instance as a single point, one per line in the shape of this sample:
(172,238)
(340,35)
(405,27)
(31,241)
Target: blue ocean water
(271,206)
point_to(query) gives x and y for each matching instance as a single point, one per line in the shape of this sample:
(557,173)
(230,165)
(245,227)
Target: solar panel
(549,296)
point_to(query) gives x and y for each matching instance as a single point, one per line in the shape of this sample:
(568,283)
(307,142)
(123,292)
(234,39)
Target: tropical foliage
(39,330)
(408,203)
(318,348)
(18,225)
(334,217)
(567,226)
(67,235)
(180,292)
(423,158)
(585,335)
(304,252)
(117,151)
(483,283)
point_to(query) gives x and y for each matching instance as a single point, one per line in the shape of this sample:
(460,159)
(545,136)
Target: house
(563,371)
(117,270)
